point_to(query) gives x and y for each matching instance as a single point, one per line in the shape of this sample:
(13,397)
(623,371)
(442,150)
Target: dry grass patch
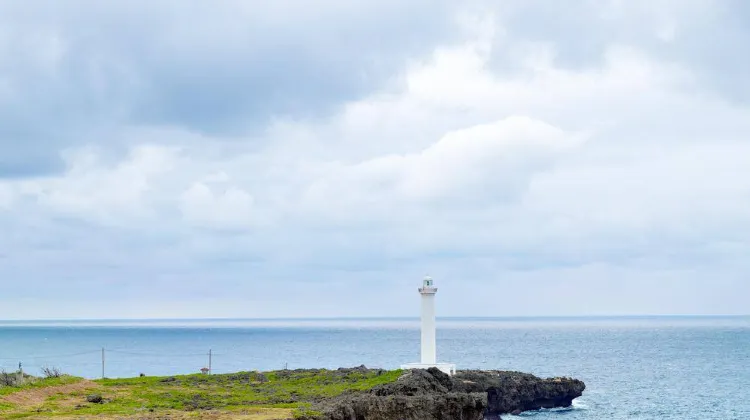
(33,397)
(249,414)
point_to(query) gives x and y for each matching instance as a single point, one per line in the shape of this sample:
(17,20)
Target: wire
(131,353)
(157,354)
(59,356)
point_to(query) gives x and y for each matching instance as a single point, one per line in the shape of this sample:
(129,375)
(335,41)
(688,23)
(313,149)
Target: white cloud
(691,188)
(7,196)
(219,207)
(625,174)
(93,189)
(484,159)
(485,163)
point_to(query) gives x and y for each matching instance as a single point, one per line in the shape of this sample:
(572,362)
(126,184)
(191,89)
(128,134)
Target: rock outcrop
(433,395)
(365,406)
(509,392)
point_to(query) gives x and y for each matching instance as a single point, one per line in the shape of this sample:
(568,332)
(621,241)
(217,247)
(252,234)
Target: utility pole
(102,362)
(209,361)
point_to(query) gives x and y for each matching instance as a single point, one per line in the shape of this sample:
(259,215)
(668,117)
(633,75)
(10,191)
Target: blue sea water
(634,367)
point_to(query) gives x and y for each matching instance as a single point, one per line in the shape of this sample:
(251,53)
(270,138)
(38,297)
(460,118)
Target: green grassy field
(243,395)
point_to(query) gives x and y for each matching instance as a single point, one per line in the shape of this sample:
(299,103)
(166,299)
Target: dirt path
(33,397)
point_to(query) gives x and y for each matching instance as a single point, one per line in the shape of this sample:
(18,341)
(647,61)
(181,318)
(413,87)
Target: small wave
(580,405)
(577,406)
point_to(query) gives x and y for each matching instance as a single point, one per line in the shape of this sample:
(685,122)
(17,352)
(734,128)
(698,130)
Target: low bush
(51,372)
(8,378)
(95,398)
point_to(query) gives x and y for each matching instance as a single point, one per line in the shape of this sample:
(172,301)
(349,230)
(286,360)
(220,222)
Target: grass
(242,395)
(33,383)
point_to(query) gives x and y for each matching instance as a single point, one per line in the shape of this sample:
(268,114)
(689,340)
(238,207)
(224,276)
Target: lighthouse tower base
(448,368)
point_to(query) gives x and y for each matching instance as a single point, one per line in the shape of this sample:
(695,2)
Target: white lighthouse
(428,339)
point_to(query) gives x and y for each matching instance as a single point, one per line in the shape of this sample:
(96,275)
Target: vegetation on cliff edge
(243,395)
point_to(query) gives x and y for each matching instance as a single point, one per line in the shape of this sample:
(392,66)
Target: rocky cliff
(509,392)
(432,395)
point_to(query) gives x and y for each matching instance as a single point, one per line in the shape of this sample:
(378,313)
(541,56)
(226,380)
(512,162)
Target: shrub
(51,372)
(95,398)
(306,414)
(8,378)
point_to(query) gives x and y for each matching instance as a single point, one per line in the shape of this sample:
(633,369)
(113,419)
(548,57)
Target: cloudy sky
(317,158)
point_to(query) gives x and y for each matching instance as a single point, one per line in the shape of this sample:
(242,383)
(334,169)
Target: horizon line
(400,318)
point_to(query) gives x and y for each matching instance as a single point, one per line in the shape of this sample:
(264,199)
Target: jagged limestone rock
(433,395)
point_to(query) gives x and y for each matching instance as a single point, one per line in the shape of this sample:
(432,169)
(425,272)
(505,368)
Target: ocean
(634,367)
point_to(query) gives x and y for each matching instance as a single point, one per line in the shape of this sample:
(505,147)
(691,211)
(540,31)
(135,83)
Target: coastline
(309,394)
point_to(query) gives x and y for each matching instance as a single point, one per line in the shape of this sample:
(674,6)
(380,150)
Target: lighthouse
(429,351)
(427,331)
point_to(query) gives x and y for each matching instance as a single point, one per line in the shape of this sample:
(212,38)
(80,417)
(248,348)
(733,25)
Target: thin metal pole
(209,361)
(102,362)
